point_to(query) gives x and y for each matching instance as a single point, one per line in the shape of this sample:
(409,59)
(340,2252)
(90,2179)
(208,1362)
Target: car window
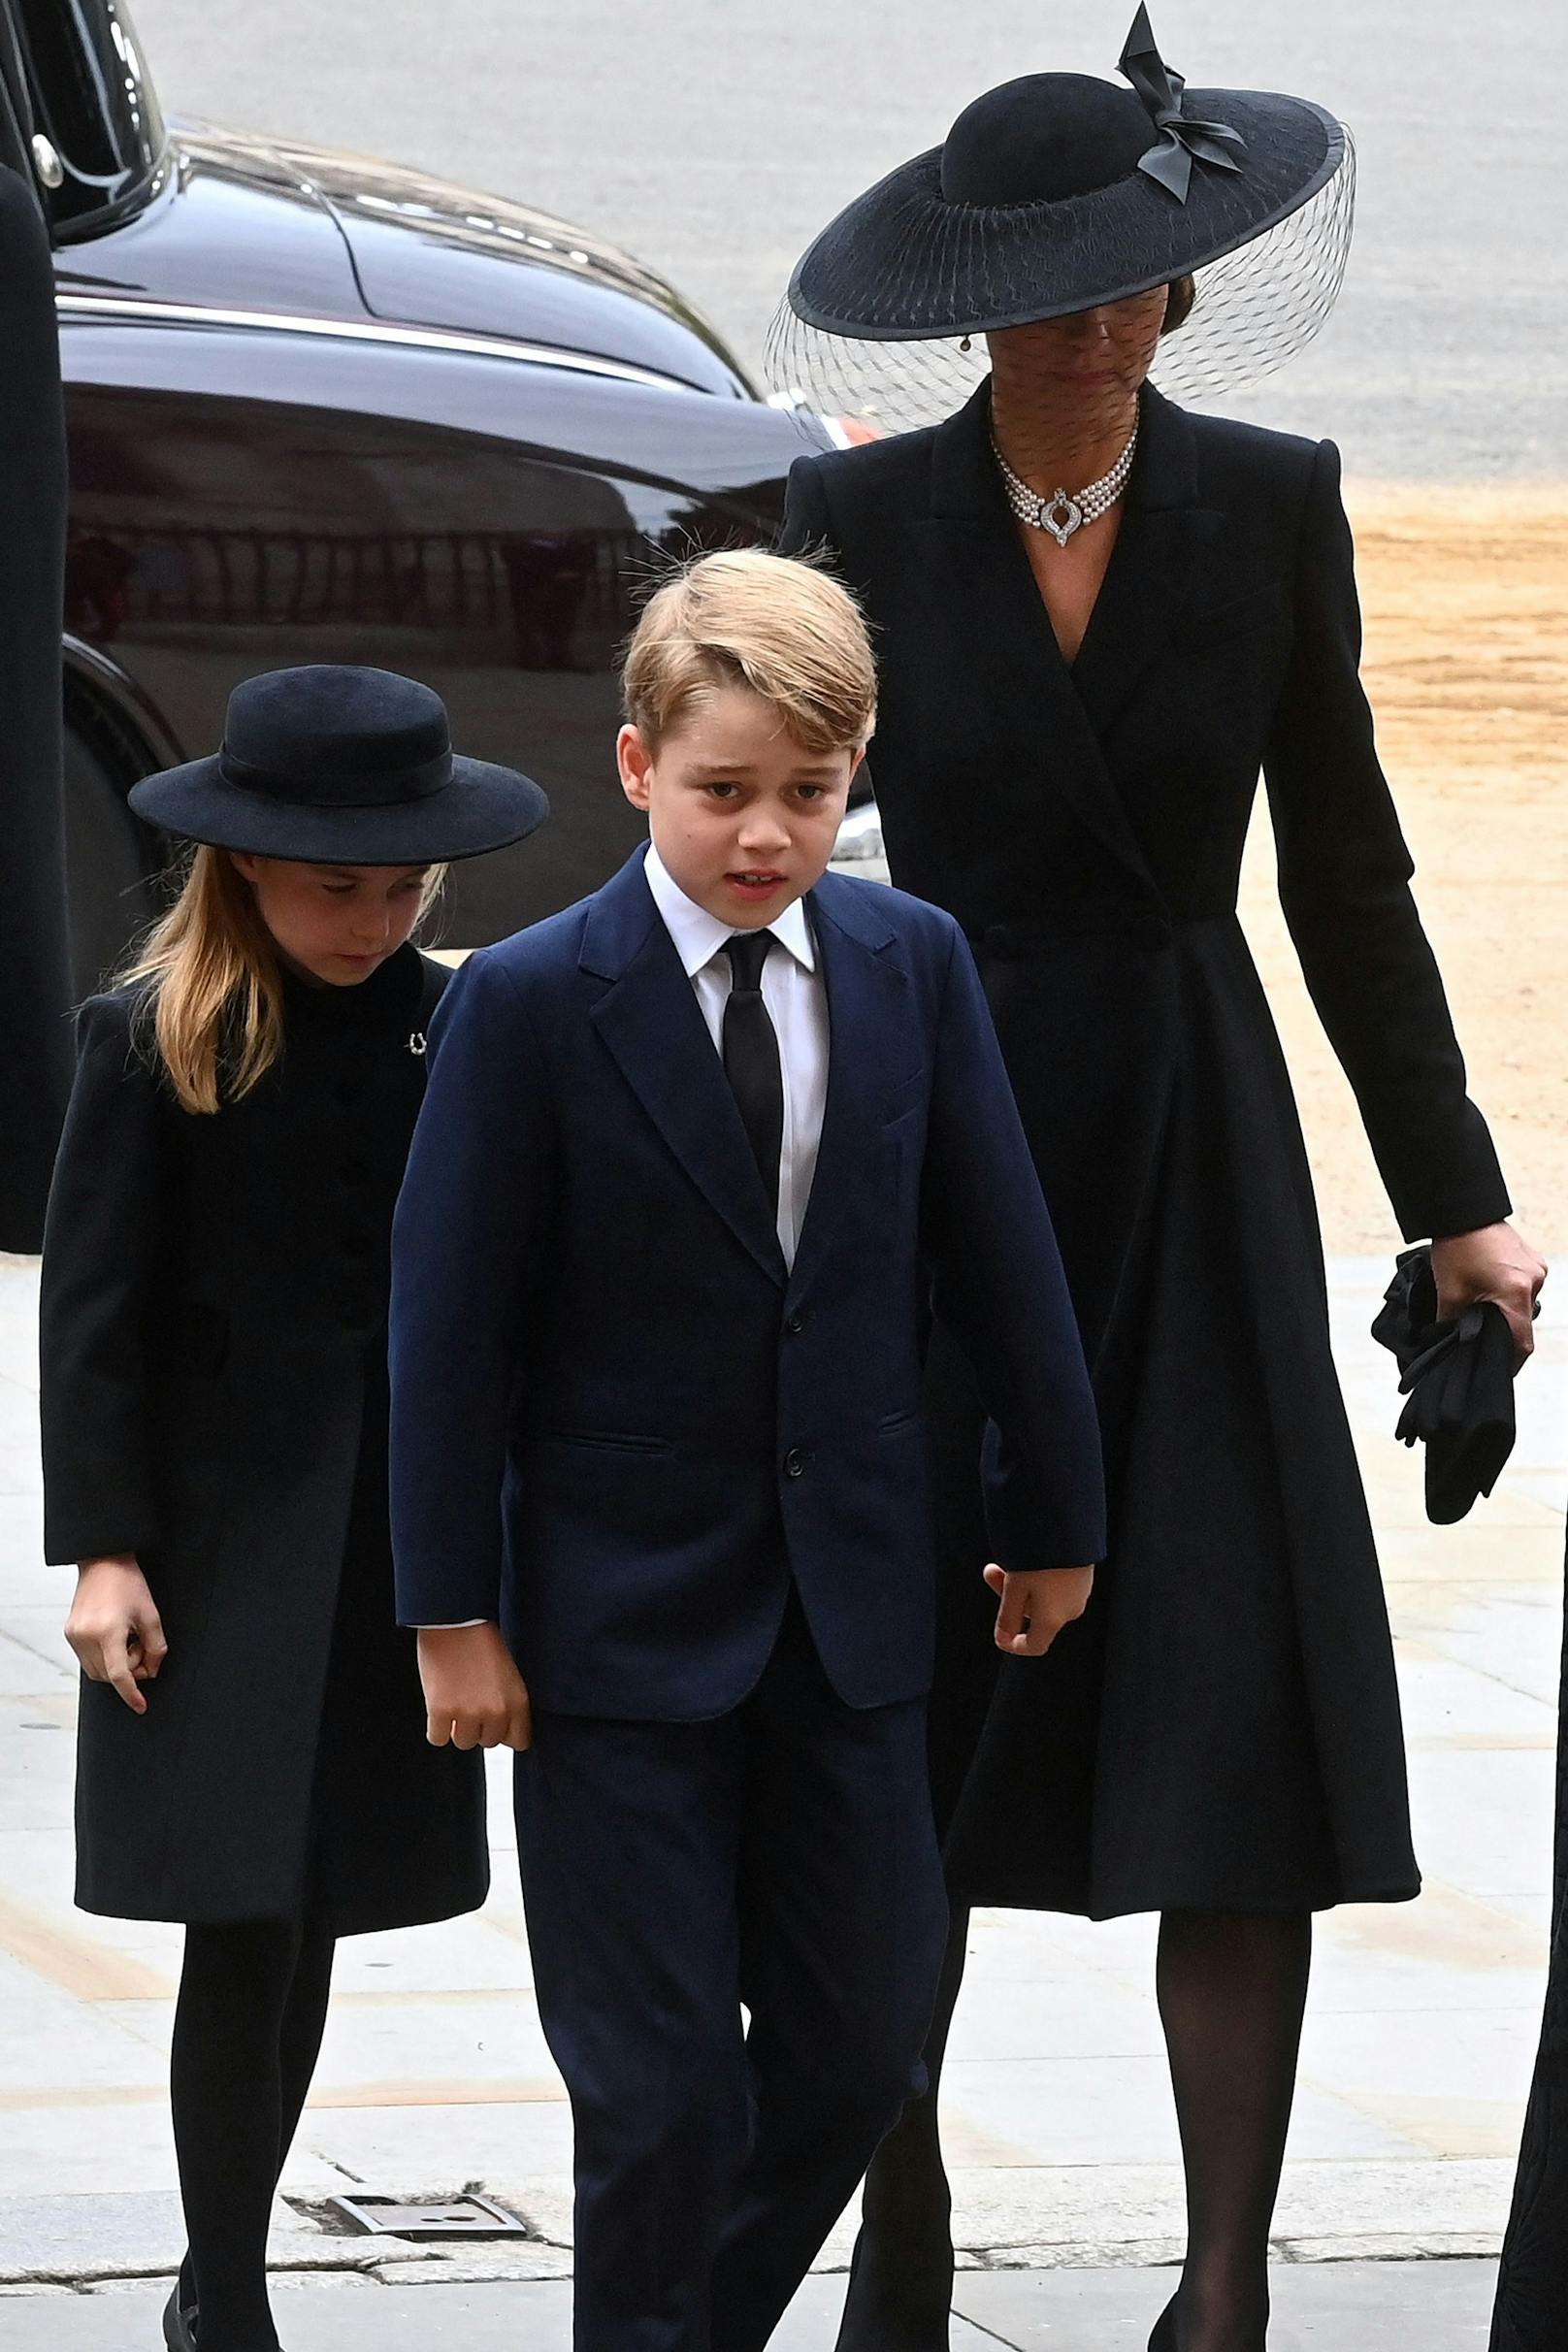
(94,103)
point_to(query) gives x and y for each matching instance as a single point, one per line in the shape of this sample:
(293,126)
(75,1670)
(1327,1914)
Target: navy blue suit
(691,1486)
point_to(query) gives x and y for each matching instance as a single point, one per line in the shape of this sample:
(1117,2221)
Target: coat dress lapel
(652,1024)
(872,1051)
(1150,576)
(1008,644)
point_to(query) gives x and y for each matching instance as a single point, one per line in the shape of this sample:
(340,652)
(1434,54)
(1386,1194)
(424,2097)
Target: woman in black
(253,1759)
(1098,617)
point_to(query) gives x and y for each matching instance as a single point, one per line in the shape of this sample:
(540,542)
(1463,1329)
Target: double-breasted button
(794,1463)
(796,1323)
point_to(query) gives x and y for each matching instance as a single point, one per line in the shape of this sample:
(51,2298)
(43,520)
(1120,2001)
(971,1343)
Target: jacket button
(794,1463)
(794,1324)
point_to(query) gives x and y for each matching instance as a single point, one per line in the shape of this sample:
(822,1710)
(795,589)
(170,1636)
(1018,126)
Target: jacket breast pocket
(1222,625)
(605,1441)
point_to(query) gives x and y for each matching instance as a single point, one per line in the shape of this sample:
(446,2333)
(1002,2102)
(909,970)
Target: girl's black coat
(1224,1729)
(215,1400)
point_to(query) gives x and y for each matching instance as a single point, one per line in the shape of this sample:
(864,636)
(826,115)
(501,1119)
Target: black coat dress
(1223,1729)
(214,1399)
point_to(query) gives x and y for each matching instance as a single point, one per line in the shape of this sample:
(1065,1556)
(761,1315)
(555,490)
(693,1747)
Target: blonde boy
(695,1155)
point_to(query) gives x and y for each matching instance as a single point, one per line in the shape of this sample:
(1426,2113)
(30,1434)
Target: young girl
(253,1757)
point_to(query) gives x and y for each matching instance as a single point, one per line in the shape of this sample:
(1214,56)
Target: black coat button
(794,1324)
(794,1463)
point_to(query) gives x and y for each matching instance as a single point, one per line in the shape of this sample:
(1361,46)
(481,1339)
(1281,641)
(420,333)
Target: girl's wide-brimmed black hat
(332,764)
(1058,193)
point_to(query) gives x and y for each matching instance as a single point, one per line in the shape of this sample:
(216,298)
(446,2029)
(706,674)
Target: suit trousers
(782,1856)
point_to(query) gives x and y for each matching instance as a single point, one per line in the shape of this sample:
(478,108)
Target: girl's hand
(115,1629)
(475,1696)
(1492,1262)
(1035,1607)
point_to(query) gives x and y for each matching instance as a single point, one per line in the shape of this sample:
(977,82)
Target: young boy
(694,1159)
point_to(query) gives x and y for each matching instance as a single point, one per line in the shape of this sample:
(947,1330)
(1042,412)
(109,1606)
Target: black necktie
(751,1060)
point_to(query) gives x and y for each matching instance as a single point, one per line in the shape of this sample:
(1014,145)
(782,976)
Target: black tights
(1232,1990)
(248,2032)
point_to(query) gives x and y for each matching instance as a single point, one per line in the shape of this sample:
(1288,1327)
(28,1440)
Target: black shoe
(1163,2338)
(178,2324)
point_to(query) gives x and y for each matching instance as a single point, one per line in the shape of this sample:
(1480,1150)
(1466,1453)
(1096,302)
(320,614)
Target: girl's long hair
(212,986)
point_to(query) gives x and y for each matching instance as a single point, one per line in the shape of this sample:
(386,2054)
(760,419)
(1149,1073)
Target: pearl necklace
(1065,511)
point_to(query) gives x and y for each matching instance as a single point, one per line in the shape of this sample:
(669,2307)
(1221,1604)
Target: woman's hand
(475,1696)
(115,1629)
(1035,1607)
(1492,1262)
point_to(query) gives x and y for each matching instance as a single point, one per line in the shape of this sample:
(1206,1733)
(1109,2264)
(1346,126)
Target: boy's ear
(635,760)
(856,764)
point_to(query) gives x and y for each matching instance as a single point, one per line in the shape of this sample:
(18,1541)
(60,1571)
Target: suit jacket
(619,1424)
(1096,815)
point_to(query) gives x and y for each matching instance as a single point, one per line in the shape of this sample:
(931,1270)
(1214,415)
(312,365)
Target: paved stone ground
(1338,2307)
(435,2076)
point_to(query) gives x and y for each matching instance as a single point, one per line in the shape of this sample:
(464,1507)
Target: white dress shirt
(797,1003)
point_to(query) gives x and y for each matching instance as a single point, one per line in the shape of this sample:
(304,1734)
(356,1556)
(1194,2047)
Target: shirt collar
(698,936)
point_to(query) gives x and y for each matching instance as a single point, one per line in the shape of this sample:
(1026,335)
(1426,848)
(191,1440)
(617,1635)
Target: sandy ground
(1466,593)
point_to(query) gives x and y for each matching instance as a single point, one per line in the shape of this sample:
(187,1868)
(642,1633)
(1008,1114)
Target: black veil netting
(1256,309)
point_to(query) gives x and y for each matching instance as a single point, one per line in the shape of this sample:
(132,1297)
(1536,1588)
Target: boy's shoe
(178,2324)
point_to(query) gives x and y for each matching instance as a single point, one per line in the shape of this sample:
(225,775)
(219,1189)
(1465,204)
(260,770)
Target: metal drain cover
(447,2217)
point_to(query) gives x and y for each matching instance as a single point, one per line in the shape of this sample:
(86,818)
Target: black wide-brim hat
(1058,193)
(333,764)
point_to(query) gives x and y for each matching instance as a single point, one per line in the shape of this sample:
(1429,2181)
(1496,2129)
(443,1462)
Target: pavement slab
(1444,2307)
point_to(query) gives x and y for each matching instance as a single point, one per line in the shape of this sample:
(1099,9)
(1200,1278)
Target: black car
(322,408)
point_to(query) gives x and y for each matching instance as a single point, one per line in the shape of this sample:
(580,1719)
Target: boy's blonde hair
(784,628)
(211,984)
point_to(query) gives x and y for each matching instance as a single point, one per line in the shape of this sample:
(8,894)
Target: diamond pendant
(1070,512)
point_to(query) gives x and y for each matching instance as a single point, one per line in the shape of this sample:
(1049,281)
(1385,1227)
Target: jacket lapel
(1149,581)
(872,1047)
(652,1025)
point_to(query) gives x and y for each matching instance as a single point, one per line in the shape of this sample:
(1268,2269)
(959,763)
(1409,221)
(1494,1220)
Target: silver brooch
(417,1042)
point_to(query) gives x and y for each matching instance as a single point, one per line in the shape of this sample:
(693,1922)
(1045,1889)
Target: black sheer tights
(1233,1989)
(248,2032)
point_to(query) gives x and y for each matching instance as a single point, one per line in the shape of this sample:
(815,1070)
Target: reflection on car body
(328,410)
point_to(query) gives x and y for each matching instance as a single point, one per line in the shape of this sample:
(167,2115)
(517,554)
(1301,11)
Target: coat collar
(1005,634)
(964,481)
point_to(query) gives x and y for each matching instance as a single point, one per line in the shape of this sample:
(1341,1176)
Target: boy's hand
(475,1696)
(115,1629)
(1035,1607)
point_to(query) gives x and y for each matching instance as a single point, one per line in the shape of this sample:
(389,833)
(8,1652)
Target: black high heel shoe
(178,2323)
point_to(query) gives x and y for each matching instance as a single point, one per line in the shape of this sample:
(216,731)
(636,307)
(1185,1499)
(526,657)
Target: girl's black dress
(214,1399)
(1222,1730)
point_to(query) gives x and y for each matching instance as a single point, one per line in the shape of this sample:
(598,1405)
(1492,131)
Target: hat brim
(904,264)
(483,808)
